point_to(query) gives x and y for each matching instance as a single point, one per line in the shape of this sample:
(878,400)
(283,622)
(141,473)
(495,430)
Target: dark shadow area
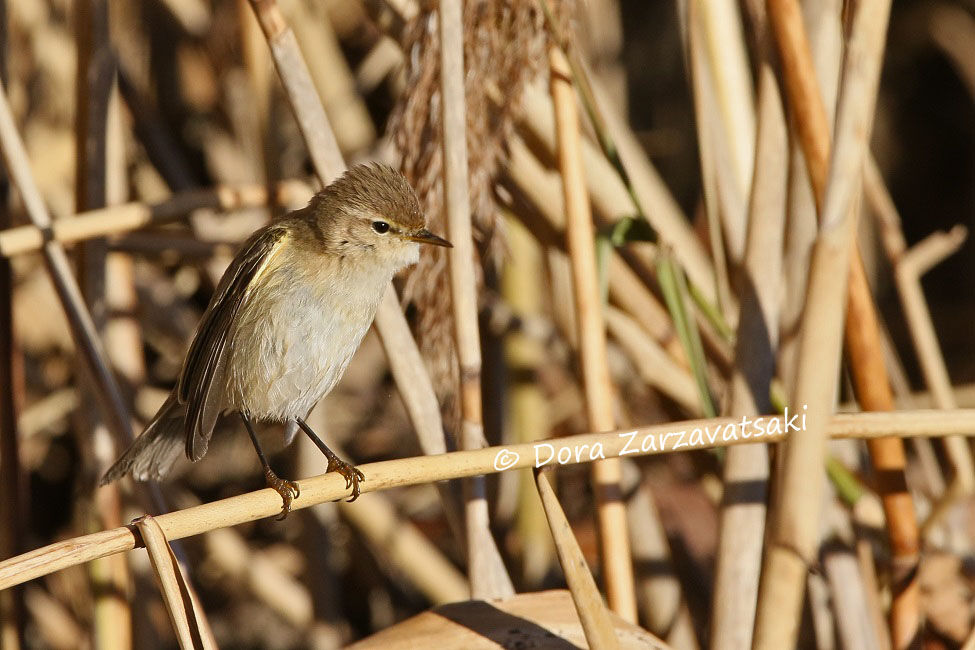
(507,630)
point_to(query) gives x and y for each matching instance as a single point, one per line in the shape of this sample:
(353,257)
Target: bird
(284,322)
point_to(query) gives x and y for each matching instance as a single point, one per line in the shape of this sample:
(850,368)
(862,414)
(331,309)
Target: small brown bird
(284,322)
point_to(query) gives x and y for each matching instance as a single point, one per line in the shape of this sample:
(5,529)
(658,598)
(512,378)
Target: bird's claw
(350,473)
(288,490)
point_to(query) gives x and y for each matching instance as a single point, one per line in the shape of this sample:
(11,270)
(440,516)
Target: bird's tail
(153,453)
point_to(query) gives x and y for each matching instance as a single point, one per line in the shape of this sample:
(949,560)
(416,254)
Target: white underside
(287,353)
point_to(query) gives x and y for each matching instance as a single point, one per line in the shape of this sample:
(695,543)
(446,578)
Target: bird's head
(372,214)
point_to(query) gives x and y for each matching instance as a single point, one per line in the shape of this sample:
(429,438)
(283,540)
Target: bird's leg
(287,489)
(349,472)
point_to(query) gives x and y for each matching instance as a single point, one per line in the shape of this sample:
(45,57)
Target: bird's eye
(380,227)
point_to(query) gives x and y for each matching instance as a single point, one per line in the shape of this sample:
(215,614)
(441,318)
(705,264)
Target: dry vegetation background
(177,97)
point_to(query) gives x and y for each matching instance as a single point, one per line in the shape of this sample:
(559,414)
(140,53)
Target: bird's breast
(294,338)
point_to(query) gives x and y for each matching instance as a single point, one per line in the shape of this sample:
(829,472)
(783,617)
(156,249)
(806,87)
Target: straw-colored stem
(909,266)
(746,469)
(850,600)
(712,173)
(655,367)
(527,416)
(725,113)
(641,441)
(541,207)
(795,519)
(181,604)
(826,39)
(589,604)
(95,170)
(335,83)
(255,137)
(487,575)
(805,100)
(79,319)
(663,608)
(731,75)
(607,474)
(609,195)
(582,448)
(863,341)
(793,541)
(119,219)
(296,79)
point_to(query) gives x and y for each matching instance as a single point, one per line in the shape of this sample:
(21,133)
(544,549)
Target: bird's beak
(424,236)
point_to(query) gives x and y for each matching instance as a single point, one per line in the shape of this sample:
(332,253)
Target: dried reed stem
(725,113)
(297,81)
(660,207)
(794,539)
(427,469)
(661,597)
(539,204)
(909,266)
(538,197)
(181,604)
(96,171)
(609,195)
(716,202)
(863,341)
(611,512)
(655,367)
(487,574)
(119,219)
(746,469)
(850,599)
(82,326)
(335,83)
(522,287)
(589,604)
(826,38)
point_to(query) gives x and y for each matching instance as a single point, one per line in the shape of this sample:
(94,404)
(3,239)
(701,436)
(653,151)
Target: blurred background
(194,102)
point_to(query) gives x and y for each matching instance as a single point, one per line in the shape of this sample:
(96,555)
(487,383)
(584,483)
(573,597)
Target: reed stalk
(527,413)
(909,265)
(746,469)
(611,512)
(79,319)
(459,464)
(795,535)
(128,217)
(487,575)
(185,614)
(592,612)
(96,171)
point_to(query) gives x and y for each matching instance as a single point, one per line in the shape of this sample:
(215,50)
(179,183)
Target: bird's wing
(201,382)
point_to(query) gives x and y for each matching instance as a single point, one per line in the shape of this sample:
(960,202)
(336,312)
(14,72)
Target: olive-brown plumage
(285,320)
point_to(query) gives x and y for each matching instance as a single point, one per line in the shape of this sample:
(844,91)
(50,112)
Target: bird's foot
(350,473)
(288,490)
